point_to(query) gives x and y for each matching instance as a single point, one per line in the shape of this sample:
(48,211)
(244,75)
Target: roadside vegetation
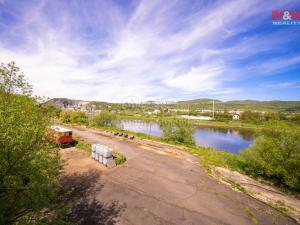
(29,164)
(119,158)
(275,155)
(81,144)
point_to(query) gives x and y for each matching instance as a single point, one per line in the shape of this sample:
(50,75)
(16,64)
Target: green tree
(250,116)
(29,166)
(178,130)
(275,155)
(79,118)
(105,119)
(55,112)
(65,116)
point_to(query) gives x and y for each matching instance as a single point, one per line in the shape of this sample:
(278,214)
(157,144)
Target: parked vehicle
(61,134)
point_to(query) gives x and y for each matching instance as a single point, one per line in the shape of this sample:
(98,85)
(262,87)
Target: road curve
(160,184)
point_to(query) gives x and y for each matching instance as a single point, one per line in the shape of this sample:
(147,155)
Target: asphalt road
(161,185)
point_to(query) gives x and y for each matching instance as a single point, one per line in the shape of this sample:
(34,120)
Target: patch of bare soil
(81,182)
(77,161)
(262,191)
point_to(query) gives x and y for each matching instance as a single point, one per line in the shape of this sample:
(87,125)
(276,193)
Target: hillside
(283,106)
(275,105)
(64,103)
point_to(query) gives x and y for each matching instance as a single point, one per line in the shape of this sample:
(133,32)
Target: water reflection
(142,127)
(226,139)
(218,138)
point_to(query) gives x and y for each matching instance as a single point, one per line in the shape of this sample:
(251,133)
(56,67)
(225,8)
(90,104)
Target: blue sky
(122,51)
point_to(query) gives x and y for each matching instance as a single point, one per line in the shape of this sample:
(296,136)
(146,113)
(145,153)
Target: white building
(236,116)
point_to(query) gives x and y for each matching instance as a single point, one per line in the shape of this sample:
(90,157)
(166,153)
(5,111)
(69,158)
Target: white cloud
(283,85)
(197,79)
(155,50)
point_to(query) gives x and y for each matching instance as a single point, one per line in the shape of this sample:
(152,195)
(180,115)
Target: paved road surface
(159,185)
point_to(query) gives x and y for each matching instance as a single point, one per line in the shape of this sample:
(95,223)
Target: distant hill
(275,105)
(64,103)
(204,103)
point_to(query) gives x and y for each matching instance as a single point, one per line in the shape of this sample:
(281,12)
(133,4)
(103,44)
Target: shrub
(275,155)
(68,116)
(105,119)
(249,116)
(178,131)
(79,118)
(65,116)
(119,158)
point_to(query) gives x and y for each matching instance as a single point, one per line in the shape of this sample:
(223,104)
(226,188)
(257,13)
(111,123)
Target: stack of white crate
(102,153)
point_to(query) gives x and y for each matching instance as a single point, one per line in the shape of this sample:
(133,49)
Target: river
(228,139)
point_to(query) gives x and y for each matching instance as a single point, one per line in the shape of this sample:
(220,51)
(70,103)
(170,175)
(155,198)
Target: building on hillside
(236,116)
(156,111)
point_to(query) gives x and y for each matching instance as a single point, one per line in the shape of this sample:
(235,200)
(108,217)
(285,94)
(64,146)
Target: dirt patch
(77,161)
(81,182)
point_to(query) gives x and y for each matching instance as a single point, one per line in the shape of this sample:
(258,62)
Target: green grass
(82,144)
(251,214)
(228,124)
(237,186)
(119,158)
(281,206)
(211,123)
(218,158)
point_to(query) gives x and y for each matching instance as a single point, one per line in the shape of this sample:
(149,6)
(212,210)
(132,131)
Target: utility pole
(213,109)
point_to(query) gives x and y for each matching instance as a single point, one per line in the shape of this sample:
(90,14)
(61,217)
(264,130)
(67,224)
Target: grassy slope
(292,106)
(245,105)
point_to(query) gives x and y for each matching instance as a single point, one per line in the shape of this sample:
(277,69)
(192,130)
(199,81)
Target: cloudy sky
(118,50)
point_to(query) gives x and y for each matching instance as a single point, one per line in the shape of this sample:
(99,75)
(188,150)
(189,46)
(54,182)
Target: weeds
(251,214)
(81,144)
(119,158)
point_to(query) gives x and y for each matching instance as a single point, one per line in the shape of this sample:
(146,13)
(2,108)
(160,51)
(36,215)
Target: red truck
(61,134)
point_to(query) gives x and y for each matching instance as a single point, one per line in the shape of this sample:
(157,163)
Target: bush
(249,116)
(178,131)
(65,116)
(68,116)
(276,155)
(119,158)
(105,119)
(55,112)
(79,118)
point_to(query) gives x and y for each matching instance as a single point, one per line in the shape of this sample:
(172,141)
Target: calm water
(218,138)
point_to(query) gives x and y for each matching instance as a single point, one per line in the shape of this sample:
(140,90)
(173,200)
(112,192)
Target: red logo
(286,15)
